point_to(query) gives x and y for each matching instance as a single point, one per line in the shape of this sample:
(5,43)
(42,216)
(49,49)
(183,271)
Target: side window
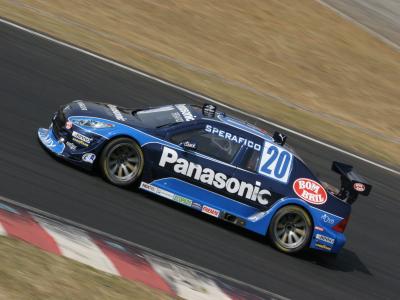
(250,160)
(209,144)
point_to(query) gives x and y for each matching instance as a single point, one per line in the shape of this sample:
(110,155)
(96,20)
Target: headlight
(91,123)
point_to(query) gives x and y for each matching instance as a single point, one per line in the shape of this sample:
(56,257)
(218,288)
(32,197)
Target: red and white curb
(116,258)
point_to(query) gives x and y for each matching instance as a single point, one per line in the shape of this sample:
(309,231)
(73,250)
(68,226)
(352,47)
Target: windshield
(160,116)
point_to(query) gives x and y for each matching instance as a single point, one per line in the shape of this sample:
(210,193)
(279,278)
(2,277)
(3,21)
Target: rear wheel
(122,162)
(290,229)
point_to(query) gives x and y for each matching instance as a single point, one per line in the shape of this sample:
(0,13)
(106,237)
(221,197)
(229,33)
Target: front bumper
(48,140)
(65,148)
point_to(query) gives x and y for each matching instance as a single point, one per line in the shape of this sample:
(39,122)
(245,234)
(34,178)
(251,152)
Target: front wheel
(290,229)
(122,161)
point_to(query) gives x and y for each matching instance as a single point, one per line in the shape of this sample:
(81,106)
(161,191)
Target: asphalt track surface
(36,76)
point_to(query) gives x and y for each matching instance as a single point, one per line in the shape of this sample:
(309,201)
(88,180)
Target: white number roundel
(276,162)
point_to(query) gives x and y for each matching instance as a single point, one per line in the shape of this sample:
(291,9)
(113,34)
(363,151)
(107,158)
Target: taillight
(341,226)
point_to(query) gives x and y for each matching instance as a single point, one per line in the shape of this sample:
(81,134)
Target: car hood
(100,110)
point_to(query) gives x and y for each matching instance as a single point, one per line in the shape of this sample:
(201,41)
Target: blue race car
(219,165)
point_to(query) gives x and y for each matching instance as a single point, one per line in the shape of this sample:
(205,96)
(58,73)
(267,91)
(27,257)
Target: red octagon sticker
(310,191)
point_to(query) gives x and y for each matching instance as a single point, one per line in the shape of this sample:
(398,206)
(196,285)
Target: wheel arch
(275,241)
(287,202)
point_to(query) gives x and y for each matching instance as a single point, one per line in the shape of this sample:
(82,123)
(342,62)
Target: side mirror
(279,138)
(188,145)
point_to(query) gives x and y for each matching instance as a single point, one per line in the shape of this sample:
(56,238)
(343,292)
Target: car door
(207,165)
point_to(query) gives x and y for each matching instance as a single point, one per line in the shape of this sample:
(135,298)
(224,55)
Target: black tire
(290,229)
(121,162)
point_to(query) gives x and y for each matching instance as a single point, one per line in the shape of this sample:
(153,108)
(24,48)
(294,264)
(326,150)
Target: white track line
(363,26)
(148,76)
(143,248)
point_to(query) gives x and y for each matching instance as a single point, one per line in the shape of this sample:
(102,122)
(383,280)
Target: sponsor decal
(189,145)
(185,112)
(81,139)
(89,157)
(177,117)
(117,114)
(325,239)
(318,228)
(182,200)
(47,140)
(218,180)
(71,146)
(157,190)
(359,187)
(148,187)
(327,219)
(81,105)
(210,211)
(322,246)
(310,191)
(196,205)
(232,137)
(68,125)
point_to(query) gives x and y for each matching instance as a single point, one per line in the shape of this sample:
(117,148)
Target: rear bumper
(324,238)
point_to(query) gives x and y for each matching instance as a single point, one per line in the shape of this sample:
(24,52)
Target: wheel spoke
(295,236)
(280,232)
(301,232)
(114,169)
(130,166)
(133,160)
(290,239)
(284,238)
(120,171)
(125,170)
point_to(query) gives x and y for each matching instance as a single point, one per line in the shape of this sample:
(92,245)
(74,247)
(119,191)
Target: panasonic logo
(216,179)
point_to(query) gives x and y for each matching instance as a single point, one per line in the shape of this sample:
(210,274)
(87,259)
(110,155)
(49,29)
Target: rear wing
(351,183)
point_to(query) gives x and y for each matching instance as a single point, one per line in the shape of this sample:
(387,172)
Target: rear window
(160,116)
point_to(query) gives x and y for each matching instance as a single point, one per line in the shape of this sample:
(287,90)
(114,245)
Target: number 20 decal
(276,162)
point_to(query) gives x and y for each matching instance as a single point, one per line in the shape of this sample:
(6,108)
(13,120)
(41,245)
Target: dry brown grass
(29,273)
(290,61)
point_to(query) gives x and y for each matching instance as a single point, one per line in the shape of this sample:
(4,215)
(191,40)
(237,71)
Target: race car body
(213,163)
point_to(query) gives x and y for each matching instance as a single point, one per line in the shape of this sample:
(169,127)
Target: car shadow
(345,261)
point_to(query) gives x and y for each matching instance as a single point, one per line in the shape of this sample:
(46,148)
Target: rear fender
(322,223)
